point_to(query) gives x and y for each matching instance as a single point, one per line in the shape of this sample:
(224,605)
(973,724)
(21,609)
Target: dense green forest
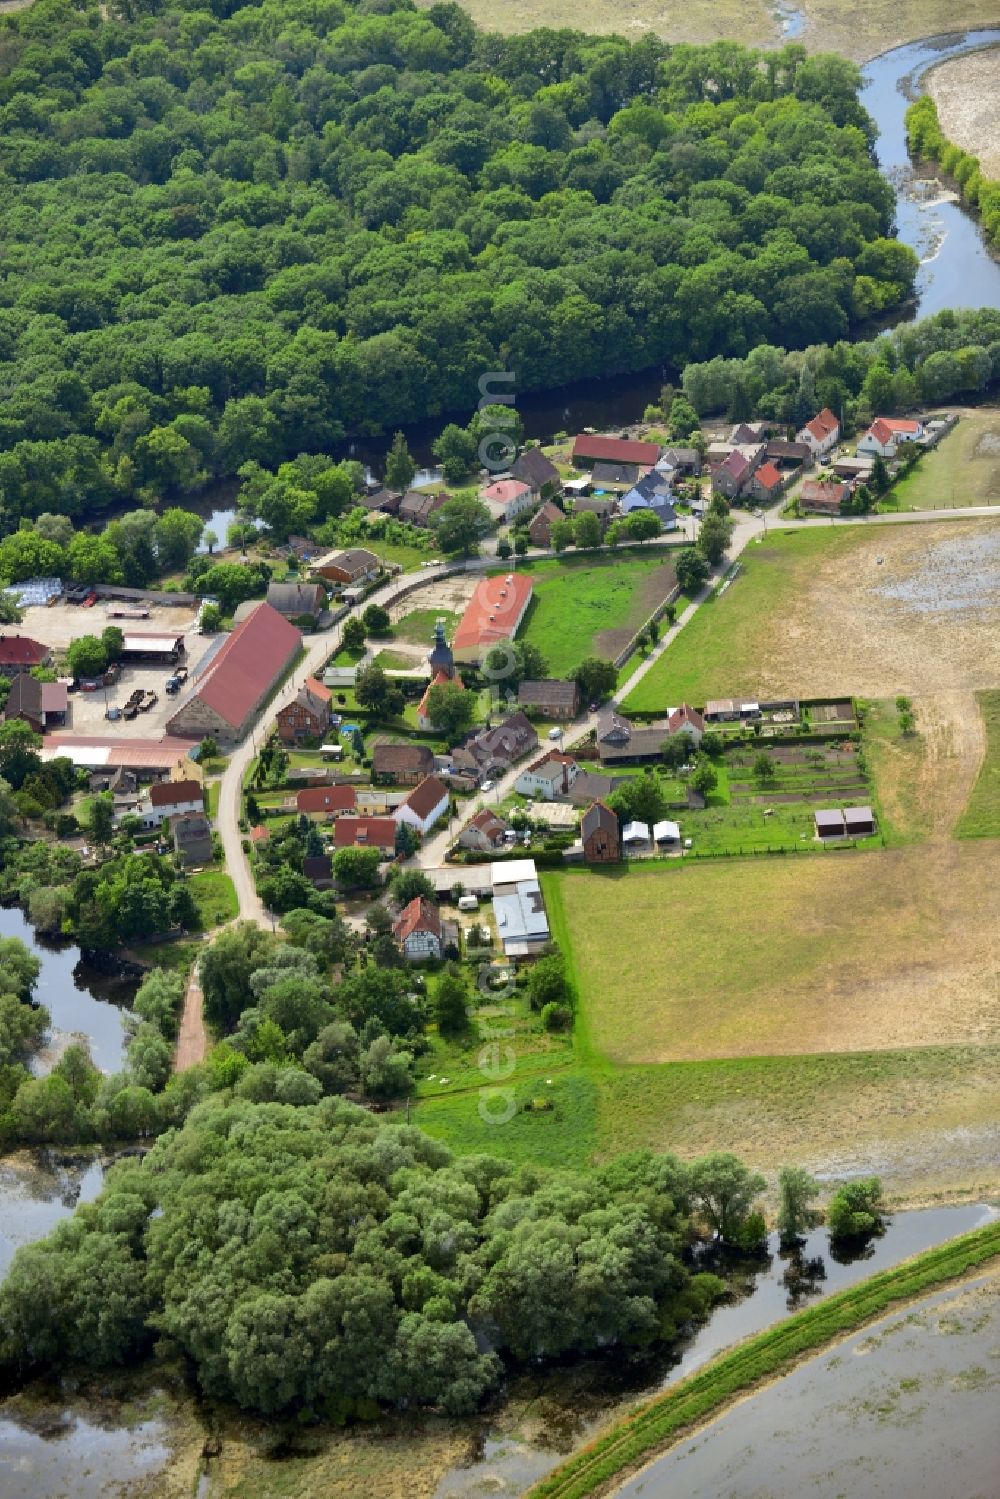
(241,233)
(317,1259)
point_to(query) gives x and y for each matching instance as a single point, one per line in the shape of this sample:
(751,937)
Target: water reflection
(37,1190)
(66,1454)
(85,1004)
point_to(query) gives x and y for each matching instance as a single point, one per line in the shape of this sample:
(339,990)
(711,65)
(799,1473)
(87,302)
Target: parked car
(90,601)
(487,786)
(114,712)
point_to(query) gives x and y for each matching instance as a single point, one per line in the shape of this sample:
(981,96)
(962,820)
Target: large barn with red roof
(232,689)
(493,614)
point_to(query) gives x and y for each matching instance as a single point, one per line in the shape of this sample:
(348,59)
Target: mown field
(963,470)
(591,606)
(981,818)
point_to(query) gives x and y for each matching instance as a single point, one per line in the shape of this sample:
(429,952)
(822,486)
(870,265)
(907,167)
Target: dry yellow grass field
(888,949)
(966,91)
(856,30)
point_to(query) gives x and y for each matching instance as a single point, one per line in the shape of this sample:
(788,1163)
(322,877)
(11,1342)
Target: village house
(381,500)
(492,752)
(603,506)
(600,836)
(170,799)
(824,497)
(549,777)
(540,526)
(682,461)
(751,432)
(766,483)
(549,698)
(318,870)
(820,434)
(425,805)
(592,786)
(885,436)
(494,613)
(307,716)
(366,832)
(506,499)
(646,491)
(43,705)
(402,764)
(538,472)
(322,803)
(417,929)
(20,653)
(193,839)
(418,505)
(297,600)
(685,720)
(356,565)
(733,475)
(590,448)
(378,801)
(233,688)
(484,833)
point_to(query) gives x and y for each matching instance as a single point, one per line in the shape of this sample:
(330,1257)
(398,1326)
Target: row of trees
(234,237)
(133,549)
(936,359)
(927,141)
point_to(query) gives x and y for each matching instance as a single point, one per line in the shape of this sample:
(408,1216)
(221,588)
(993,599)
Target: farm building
(519,909)
(616,476)
(666,833)
(599,832)
(597,504)
(590,448)
(239,678)
(823,497)
(494,613)
(297,600)
(540,528)
(830,823)
(326,801)
(550,697)
(418,505)
(859,822)
(152,645)
(402,764)
(43,705)
(635,834)
(20,653)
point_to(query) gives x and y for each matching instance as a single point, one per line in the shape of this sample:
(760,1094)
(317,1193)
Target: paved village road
(433,849)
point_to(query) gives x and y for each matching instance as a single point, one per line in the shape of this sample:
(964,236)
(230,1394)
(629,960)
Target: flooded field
(907,1406)
(85,1005)
(73,1457)
(38,1188)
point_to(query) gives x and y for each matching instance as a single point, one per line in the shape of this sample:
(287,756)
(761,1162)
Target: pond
(906,1406)
(579,1404)
(84,1002)
(59,1454)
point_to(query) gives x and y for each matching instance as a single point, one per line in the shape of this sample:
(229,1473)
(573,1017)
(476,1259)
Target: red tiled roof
(494,611)
(822,425)
(21,650)
(685,715)
(365,832)
(615,449)
(899,424)
(424,798)
(503,491)
(327,799)
(259,834)
(488,822)
(767,475)
(316,689)
(250,661)
(881,431)
(421,915)
(173,793)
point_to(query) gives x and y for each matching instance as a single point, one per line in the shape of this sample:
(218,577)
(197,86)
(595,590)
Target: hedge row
(771,1353)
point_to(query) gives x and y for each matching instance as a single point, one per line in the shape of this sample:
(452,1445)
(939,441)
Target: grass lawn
(715,654)
(216,897)
(832,953)
(417,627)
(981,818)
(213,788)
(176,957)
(964,469)
(347,657)
(390,660)
(409,558)
(591,605)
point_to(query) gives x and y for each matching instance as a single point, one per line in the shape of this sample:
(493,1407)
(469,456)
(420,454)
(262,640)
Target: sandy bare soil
(966,91)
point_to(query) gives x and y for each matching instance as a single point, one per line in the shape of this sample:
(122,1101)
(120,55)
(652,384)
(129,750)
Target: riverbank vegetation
(941,358)
(223,234)
(656,1425)
(926,141)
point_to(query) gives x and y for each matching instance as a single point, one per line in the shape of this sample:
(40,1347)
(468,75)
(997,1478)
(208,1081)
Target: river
(84,1003)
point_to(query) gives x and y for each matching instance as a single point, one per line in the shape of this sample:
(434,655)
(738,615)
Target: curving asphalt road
(319,649)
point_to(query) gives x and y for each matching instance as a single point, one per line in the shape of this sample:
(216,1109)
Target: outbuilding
(859,822)
(830,823)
